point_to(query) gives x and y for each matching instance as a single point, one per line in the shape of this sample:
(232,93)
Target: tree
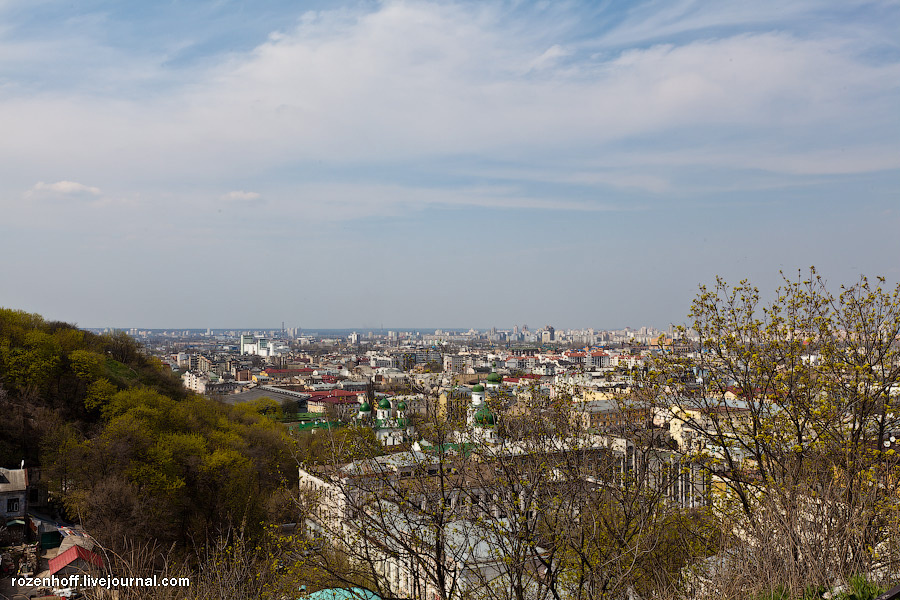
(171,470)
(793,405)
(555,511)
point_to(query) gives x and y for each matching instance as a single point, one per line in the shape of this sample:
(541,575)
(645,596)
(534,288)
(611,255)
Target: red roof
(334,396)
(71,555)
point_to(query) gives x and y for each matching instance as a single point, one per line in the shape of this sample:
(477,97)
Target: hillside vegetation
(122,446)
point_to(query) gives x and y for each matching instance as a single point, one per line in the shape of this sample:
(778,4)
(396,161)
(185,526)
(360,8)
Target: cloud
(240,195)
(447,89)
(63,188)
(549,58)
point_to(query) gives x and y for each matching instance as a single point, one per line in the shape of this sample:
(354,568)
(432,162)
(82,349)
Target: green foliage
(779,593)
(99,393)
(290,408)
(199,464)
(861,589)
(86,365)
(342,445)
(33,363)
(126,449)
(262,406)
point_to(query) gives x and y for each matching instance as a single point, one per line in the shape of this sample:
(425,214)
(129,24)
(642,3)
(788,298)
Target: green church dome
(494,377)
(364,407)
(478,388)
(401,406)
(484,417)
(385,404)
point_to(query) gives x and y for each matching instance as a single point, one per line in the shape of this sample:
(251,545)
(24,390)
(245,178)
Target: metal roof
(344,594)
(13,480)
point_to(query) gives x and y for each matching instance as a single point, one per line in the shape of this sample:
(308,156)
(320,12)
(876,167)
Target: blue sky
(438,164)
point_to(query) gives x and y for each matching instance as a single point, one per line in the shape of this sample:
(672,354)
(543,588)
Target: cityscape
(498,463)
(449,300)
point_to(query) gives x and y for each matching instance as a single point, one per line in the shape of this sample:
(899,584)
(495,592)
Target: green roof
(494,377)
(384,404)
(484,416)
(364,407)
(401,406)
(478,388)
(312,425)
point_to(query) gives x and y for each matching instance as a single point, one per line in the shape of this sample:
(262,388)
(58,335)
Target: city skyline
(181,166)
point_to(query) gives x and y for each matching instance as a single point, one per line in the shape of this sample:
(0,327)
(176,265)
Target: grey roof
(256,394)
(13,480)
(596,406)
(466,541)
(84,541)
(388,463)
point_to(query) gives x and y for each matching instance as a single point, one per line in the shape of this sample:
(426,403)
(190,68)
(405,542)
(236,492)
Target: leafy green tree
(35,363)
(86,365)
(186,468)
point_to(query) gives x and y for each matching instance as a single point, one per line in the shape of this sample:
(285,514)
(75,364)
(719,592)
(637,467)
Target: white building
(258,346)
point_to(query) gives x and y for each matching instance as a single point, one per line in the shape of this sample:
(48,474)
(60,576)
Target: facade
(13,504)
(610,415)
(13,494)
(258,346)
(344,403)
(455,363)
(399,544)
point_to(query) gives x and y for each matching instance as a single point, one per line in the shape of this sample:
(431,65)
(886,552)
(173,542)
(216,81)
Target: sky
(412,164)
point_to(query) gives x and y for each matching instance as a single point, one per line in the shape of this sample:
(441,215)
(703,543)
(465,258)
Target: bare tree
(792,406)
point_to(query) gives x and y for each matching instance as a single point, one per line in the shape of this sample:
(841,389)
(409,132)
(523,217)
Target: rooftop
(13,480)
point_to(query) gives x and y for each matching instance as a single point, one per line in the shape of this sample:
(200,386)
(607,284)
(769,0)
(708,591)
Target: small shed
(74,560)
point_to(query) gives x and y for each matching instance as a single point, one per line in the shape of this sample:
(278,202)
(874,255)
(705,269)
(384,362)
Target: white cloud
(64,188)
(240,195)
(340,201)
(416,82)
(549,58)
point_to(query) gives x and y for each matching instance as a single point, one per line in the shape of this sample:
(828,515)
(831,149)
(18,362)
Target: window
(12,505)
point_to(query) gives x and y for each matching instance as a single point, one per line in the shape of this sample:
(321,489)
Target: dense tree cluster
(123,447)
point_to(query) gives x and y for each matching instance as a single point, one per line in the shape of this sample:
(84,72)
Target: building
(13,493)
(13,502)
(390,423)
(481,420)
(76,559)
(258,346)
(342,402)
(399,544)
(610,415)
(455,363)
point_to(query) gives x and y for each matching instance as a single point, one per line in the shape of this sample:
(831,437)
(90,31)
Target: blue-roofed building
(344,594)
